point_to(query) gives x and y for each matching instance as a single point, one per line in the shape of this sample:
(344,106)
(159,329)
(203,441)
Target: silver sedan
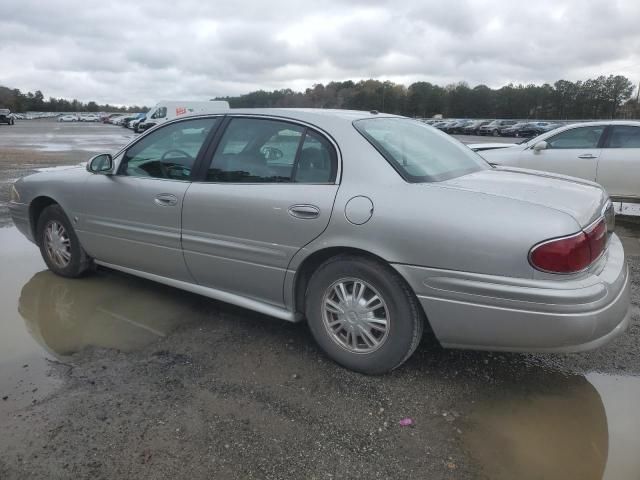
(370,227)
(605,152)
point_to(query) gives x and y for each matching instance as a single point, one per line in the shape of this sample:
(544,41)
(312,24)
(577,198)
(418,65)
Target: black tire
(79,262)
(496,133)
(405,315)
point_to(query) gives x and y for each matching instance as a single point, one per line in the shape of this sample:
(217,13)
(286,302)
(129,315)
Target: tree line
(601,97)
(17,101)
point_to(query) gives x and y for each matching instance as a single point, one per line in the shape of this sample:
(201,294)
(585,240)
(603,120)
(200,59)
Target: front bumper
(486,312)
(19,213)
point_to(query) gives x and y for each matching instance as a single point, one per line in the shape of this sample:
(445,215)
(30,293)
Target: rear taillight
(571,254)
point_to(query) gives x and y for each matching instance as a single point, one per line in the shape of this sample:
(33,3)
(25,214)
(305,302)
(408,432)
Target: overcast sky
(126,52)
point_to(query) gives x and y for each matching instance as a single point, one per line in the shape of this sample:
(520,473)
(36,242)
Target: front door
(133,219)
(267,191)
(573,152)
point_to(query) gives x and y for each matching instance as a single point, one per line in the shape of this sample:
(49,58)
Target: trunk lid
(585,201)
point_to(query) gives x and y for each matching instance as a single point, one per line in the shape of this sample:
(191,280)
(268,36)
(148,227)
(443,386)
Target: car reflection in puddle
(559,427)
(106,309)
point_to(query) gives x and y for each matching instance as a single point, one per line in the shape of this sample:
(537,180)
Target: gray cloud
(139,52)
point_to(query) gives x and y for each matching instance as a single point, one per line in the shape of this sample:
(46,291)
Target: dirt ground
(144,381)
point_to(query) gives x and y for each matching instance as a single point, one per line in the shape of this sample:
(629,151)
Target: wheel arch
(36,207)
(312,262)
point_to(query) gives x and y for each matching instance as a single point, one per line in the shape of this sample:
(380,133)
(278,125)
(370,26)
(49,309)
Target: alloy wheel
(355,315)
(57,244)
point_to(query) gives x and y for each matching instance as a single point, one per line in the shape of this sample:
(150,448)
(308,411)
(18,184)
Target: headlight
(15,196)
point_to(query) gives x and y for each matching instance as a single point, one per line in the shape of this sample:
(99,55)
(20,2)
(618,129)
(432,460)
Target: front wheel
(363,315)
(59,244)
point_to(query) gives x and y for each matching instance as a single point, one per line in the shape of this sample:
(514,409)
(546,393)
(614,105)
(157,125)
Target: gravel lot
(116,377)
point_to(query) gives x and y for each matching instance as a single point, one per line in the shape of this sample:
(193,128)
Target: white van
(166,110)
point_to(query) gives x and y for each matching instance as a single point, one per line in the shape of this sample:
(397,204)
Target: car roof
(311,115)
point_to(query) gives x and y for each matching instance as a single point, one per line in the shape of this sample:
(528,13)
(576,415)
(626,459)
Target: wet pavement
(29,146)
(50,136)
(110,376)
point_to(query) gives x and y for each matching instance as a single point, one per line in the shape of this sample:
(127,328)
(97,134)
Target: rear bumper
(501,313)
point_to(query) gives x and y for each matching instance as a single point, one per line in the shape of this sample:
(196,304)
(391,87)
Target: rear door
(619,166)
(267,190)
(133,219)
(572,152)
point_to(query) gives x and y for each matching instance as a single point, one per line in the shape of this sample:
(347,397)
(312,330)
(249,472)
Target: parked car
(6,116)
(494,127)
(118,120)
(134,124)
(68,118)
(512,130)
(89,118)
(474,127)
(109,118)
(605,152)
(443,125)
(456,126)
(532,129)
(367,225)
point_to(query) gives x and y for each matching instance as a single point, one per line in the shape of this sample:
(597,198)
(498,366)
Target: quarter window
(624,136)
(582,137)
(271,151)
(168,152)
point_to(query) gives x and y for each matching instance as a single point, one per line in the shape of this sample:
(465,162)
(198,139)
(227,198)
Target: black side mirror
(102,163)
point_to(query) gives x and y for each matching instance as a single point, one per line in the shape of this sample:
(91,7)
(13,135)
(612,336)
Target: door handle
(304,211)
(587,155)
(165,200)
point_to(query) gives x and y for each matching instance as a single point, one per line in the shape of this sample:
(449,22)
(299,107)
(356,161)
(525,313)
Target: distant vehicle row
(162,112)
(72,117)
(496,128)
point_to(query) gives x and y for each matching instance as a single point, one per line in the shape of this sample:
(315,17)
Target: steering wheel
(271,153)
(182,152)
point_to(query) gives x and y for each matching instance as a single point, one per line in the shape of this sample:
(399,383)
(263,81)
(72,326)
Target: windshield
(418,152)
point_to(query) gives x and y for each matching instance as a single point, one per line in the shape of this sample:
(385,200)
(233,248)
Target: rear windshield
(418,152)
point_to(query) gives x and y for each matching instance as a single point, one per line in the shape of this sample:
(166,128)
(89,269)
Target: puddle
(46,317)
(559,427)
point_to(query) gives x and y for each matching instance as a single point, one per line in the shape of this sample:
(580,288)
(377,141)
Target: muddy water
(44,317)
(559,427)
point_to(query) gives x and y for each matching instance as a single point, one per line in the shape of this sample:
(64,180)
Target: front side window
(270,151)
(168,152)
(624,136)
(582,137)
(418,152)
(161,112)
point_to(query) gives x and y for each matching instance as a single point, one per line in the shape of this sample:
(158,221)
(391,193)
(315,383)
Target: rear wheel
(59,244)
(496,133)
(363,315)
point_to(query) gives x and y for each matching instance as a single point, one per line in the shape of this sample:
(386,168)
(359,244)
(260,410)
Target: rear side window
(624,136)
(582,137)
(418,152)
(256,150)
